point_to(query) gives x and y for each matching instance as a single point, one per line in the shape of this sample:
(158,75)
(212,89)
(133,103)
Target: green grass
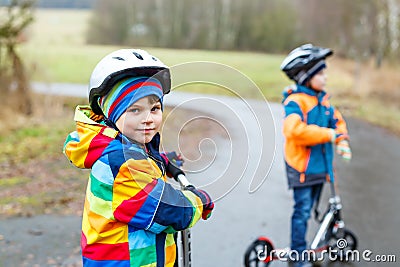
(34,140)
(59,26)
(74,64)
(57,52)
(13,181)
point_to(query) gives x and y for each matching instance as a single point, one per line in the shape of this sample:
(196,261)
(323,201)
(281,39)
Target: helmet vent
(154,59)
(139,56)
(119,58)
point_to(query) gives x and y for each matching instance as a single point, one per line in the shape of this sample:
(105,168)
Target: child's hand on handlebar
(343,149)
(174,162)
(175,158)
(208,204)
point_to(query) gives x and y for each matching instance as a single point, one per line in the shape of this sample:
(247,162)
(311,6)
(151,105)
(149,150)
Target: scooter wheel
(342,244)
(258,254)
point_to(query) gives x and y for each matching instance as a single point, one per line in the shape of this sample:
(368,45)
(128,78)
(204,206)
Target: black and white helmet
(305,61)
(121,64)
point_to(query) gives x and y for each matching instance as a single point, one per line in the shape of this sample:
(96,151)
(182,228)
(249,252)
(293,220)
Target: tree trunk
(22,89)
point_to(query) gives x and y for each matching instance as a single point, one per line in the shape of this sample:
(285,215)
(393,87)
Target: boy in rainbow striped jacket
(131,212)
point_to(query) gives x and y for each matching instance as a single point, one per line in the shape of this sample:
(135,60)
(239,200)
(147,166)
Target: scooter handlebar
(178,175)
(183,181)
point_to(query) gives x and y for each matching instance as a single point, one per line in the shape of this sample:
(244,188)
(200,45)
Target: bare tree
(16,18)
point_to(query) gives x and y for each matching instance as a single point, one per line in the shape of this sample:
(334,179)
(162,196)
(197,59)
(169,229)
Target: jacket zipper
(322,116)
(161,163)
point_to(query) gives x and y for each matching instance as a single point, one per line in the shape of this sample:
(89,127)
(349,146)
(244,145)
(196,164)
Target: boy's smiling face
(141,121)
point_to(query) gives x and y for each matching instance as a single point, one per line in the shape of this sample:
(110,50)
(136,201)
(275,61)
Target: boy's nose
(148,118)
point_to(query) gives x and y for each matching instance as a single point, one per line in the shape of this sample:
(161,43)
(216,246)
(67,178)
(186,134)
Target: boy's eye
(155,108)
(134,110)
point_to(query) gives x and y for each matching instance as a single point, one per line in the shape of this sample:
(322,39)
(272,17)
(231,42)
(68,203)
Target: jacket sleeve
(300,132)
(338,123)
(145,201)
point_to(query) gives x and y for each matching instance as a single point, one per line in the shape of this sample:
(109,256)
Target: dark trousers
(304,199)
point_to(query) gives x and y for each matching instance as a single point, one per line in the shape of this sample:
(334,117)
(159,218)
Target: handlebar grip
(178,175)
(174,171)
(184,182)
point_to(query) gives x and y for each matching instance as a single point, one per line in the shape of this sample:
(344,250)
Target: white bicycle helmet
(121,64)
(301,61)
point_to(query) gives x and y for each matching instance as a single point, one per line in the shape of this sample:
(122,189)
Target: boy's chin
(148,138)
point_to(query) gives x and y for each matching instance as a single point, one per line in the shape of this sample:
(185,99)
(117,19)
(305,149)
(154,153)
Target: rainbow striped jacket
(130,211)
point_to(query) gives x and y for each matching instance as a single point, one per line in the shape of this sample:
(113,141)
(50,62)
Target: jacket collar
(296,88)
(309,91)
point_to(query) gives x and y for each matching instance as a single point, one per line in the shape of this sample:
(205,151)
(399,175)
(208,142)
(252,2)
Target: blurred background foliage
(357,29)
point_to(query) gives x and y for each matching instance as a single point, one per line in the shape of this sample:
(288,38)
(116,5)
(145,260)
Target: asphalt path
(243,170)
